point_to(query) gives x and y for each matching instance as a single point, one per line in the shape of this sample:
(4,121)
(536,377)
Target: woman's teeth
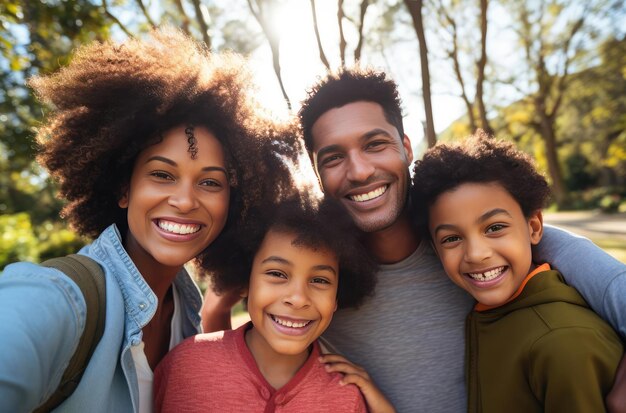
(175,228)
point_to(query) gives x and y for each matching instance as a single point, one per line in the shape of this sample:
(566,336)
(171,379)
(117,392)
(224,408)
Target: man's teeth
(488,275)
(292,324)
(176,228)
(370,195)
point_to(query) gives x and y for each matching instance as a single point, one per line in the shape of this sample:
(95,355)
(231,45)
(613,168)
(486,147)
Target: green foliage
(606,199)
(18,239)
(21,241)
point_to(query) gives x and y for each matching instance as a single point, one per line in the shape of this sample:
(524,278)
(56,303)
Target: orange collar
(541,268)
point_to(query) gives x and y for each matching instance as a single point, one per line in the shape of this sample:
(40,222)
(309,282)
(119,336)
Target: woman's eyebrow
(173,163)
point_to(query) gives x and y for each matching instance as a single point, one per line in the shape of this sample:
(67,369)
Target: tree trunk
(317,36)
(415,9)
(342,39)
(359,46)
(480,65)
(273,39)
(546,128)
(204,27)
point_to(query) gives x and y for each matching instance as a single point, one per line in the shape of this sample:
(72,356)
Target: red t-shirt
(217,373)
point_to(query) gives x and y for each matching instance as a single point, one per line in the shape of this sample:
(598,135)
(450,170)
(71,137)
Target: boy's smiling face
(484,240)
(292,295)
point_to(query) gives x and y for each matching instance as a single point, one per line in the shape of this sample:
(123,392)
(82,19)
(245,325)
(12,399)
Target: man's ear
(408,149)
(535,227)
(313,158)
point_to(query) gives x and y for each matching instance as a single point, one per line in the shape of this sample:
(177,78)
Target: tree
(264,11)
(415,9)
(457,22)
(555,38)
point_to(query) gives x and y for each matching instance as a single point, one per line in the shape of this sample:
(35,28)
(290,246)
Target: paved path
(590,223)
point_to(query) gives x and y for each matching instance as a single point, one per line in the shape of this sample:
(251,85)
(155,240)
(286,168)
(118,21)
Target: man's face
(362,160)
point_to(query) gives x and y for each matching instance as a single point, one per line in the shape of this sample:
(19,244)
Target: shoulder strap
(88,275)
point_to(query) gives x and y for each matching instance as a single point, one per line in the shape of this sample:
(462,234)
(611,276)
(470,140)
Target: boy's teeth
(182,229)
(291,324)
(370,195)
(487,275)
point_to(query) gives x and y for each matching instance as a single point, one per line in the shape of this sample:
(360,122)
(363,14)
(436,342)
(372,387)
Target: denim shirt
(42,316)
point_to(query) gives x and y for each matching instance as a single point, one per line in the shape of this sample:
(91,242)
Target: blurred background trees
(547,74)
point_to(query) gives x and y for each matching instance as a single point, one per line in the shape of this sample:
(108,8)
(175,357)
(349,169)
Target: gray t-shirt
(410,335)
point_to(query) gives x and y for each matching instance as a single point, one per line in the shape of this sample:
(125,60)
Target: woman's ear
(535,227)
(123,201)
(244,292)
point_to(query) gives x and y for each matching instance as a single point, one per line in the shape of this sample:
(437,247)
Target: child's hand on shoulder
(353,374)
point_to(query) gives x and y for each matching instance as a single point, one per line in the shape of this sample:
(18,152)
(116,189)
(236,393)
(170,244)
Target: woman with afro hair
(160,155)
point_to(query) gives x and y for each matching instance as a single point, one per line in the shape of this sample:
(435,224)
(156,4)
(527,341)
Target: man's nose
(360,168)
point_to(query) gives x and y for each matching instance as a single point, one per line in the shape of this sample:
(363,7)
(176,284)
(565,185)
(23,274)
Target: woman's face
(177,205)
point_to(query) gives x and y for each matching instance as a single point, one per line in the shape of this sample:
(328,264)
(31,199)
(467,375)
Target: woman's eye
(277,274)
(495,228)
(161,175)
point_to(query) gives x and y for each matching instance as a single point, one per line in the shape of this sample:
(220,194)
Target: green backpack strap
(88,275)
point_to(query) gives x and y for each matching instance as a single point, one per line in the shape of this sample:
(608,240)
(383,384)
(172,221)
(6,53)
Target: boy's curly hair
(476,159)
(113,100)
(348,86)
(317,224)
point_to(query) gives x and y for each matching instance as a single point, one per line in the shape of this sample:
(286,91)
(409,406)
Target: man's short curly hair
(476,159)
(113,100)
(316,224)
(348,86)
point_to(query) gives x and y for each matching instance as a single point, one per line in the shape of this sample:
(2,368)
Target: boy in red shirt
(301,262)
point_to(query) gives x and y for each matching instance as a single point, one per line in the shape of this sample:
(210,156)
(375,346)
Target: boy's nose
(476,251)
(296,296)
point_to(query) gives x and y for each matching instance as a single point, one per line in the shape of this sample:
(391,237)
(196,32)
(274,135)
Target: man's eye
(330,159)
(375,144)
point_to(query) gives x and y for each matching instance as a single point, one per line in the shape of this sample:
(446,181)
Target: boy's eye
(450,239)
(320,280)
(210,182)
(495,228)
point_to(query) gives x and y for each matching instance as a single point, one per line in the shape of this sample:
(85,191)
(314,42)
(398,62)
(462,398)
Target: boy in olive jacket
(532,343)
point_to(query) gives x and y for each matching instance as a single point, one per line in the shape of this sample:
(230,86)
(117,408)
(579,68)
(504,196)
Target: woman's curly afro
(113,100)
